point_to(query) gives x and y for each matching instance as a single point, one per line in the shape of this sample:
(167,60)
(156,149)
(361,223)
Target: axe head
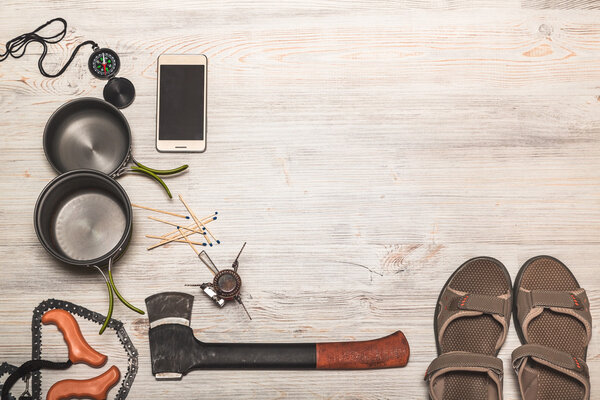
(172,309)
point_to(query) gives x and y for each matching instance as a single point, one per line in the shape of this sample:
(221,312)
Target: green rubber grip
(111,304)
(155,177)
(162,171)
(128,304)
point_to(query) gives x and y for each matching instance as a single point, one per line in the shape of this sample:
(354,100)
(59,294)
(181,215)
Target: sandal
(554,324)
(471,322)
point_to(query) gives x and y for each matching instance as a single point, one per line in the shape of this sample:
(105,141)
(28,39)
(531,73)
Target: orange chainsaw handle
(95,388)
(79,350)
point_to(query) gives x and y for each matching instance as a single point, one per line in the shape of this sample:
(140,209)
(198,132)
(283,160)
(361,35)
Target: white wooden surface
(363,149)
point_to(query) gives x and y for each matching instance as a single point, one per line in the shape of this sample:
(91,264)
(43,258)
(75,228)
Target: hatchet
(175,351)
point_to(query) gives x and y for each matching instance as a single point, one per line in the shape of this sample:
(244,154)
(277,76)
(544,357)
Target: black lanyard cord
(16,47)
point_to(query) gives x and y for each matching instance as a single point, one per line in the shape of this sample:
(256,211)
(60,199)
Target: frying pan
(93,134)
(84,218)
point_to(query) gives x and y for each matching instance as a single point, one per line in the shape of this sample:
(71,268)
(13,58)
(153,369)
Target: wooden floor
(363,149)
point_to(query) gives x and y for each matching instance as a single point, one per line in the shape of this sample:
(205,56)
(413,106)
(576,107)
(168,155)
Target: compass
(104,63)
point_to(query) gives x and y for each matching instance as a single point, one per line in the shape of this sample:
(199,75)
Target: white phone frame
(197,146)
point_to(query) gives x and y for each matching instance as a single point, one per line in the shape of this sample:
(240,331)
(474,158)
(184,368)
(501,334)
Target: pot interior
(87,133)
(83,217)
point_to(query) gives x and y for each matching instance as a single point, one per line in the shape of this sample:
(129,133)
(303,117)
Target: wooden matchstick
(165,241)
(161,211)
(213,236)
(188,240)
(177,225)
(195,219)
(205,220)
(199,223)
(176,233)
(168,238)
(179,240)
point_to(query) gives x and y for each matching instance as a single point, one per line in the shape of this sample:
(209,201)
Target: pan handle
(154,173)
(110,284)
(111,301)
(155,177)
(160,171)
(114,288)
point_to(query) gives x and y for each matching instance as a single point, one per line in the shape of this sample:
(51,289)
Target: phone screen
(181,102)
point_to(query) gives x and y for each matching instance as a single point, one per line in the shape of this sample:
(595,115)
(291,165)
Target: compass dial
(104,63)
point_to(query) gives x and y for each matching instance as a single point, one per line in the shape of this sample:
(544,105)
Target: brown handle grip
(96,388)
(387,352)
(79,349)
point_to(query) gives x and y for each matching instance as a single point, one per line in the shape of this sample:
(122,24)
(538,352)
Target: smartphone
(181,103)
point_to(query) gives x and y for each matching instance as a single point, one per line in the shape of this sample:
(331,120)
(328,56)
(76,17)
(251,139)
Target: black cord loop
(28,367)
(16,47)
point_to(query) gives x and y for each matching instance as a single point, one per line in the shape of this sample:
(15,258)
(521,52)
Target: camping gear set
(61,313)
(83,218)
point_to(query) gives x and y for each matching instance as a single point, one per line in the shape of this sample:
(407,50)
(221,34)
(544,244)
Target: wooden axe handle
(387,352)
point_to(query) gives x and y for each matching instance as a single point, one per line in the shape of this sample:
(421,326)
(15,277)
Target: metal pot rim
(114,172)
(100,261)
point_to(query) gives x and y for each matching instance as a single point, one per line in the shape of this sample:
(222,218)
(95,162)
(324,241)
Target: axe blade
(169,308)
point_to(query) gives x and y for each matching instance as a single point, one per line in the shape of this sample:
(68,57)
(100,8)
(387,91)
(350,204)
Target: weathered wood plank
(562,4)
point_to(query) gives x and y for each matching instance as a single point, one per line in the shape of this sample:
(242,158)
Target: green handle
(111,304)
(153,175)
(162,171)
(112,282)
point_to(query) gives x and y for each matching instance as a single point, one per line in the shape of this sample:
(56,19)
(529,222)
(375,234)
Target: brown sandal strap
(484,303)
(457,305)
(547,298)
(530,304)
(556,357)
(560,361)
(460,361)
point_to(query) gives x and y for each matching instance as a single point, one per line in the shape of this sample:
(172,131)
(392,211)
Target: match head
(218,242)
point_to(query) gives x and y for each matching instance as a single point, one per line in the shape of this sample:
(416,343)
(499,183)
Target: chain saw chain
(36,348)
(6,368)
